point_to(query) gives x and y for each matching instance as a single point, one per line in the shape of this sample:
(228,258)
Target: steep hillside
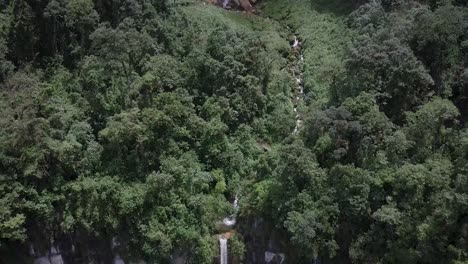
(190,131)
(321,27)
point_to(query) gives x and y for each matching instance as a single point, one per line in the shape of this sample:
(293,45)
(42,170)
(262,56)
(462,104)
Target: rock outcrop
(246,5)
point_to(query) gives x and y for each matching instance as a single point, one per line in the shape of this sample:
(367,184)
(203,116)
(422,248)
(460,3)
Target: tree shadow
(336,7)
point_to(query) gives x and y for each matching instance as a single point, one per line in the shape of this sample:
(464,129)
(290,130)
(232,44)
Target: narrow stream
(297,96)
(297,99)
(296,72)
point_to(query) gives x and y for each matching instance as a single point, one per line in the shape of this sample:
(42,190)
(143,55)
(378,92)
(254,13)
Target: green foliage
(5,26)
(438,38)
(324,35)
(126,127)
(133,131)
(304,206)
(389,143)
(431,127)
(11,224)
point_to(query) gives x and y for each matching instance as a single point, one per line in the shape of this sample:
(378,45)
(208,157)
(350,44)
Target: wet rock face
(67,250)
(264,245)
(224,4)
(245,4)
(274,258)
(52,256)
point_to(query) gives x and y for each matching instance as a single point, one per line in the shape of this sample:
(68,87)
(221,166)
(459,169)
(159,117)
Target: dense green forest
(129,127)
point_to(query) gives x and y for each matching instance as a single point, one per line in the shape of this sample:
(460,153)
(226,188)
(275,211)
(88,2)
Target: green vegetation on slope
(139,121)
(378,174)
(321,27)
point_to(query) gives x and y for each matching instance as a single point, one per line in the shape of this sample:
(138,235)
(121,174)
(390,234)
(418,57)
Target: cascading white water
(231,220)
(235,204)
(296,42)
(227,225)
(223,250)
(296,46)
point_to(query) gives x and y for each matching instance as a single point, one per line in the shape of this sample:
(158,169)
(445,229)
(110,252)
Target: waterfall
(236,201)
(231,220)
(227,226)
(296,42)
(299,90)
(223,250)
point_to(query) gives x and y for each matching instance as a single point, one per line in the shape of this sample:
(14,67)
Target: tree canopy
(128,127)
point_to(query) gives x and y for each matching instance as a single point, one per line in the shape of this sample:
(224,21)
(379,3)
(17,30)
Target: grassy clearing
(210,16)
(320,24)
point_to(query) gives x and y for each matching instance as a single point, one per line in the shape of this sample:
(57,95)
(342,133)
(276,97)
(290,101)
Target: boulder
(245,4)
